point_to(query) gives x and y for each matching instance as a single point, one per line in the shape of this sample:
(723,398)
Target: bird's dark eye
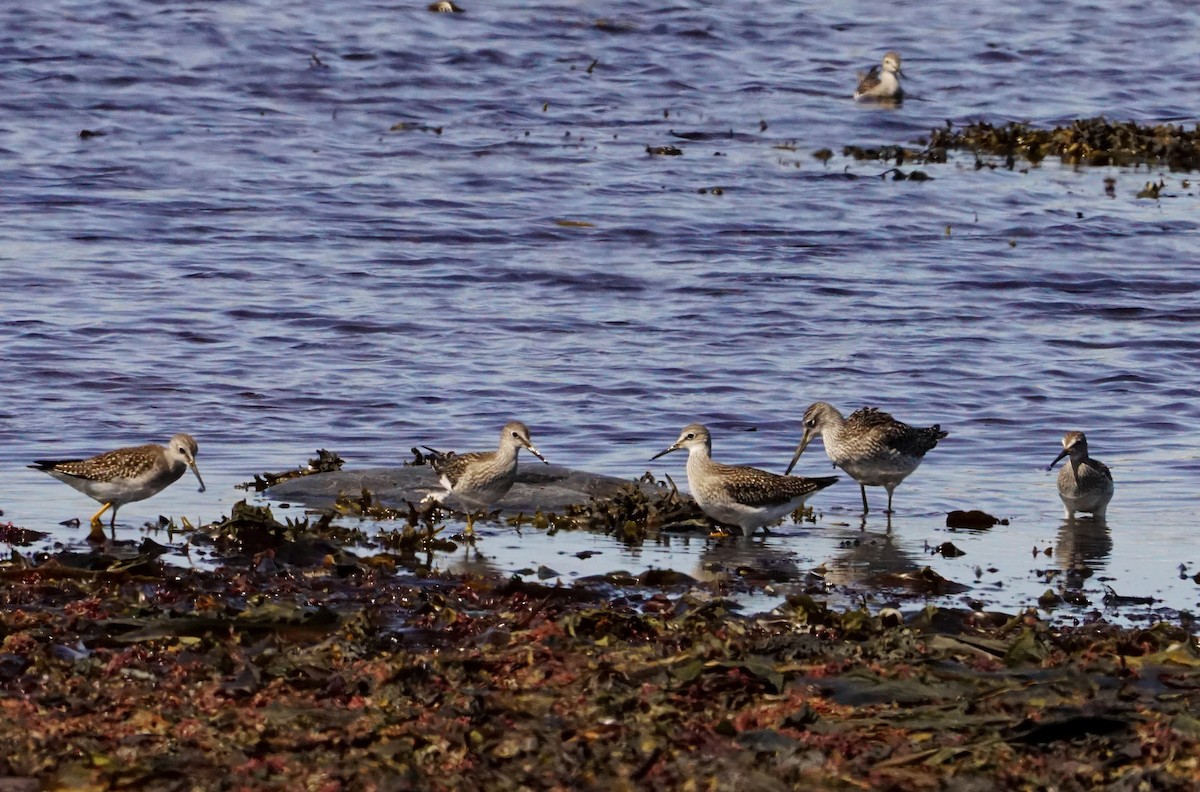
(691,436)
(517,435)
(811,423)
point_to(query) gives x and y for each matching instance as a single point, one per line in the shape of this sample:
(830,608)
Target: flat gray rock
(546,488)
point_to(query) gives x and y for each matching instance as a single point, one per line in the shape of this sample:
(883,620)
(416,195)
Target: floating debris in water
(1091,141)
(1113,599)
(974,519)
(408,126)
(897,154)
(1152,189)
(899,175)
(947,550)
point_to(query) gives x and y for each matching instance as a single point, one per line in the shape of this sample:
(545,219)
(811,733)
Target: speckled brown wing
(882,429)
(122,463)
(868,81)
(1092,474)
(452,465)
(759,488)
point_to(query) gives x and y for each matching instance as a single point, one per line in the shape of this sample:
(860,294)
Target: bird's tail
(930,437)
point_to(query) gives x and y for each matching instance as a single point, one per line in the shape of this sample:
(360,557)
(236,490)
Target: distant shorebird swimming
(1084,484)
(125,475)
(481,478)
(883,81)
(872,446)
(734,495)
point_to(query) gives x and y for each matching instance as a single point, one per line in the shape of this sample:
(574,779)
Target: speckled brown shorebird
(1084,484)
(481,478)
(881,82)
(125,475)
(735,495)
(872,446)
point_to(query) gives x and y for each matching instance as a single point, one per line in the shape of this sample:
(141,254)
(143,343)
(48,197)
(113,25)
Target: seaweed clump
(1090,141)
(634,510)
(323,462)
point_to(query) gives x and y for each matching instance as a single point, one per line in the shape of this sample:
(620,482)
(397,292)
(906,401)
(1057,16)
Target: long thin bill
(664,452)
(799,450)
(196,470)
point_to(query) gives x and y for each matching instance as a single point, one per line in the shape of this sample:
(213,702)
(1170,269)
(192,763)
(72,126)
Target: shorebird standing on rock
(481,478)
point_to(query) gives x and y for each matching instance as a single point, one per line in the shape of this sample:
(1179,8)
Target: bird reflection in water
(1081,549)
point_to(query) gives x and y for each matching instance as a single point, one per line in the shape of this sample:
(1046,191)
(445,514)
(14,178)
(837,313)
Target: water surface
(342,227)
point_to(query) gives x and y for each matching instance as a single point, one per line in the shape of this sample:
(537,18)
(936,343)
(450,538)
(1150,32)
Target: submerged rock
(544,488)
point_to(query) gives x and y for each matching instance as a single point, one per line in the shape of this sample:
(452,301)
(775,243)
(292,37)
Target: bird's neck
(507,453)
(831,432)
(699,459)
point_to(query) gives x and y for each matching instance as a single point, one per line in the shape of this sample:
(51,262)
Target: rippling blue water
(343,227)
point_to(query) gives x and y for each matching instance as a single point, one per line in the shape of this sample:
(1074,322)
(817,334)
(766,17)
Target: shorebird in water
(125,475)
(881,82)
(1084,484)
(734,495)
(872,446)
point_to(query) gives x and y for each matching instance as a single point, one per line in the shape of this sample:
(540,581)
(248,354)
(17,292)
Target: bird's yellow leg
(97,534)
(96,517)
(470,524)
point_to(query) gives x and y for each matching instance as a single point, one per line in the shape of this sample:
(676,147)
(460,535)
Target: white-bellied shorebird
(481,478)
(735,495)
(883,81)
(1084,484)
(125,475)
(872,446)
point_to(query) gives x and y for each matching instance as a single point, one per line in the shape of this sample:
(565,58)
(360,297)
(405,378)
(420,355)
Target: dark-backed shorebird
(125,475)
(881,82)
(481,478)
(1084,484)
(872,446)
(734,495)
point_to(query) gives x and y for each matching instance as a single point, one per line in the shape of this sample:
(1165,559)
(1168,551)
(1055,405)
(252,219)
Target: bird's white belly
(879,472)
(478,497)
(118,491)
(746,517)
